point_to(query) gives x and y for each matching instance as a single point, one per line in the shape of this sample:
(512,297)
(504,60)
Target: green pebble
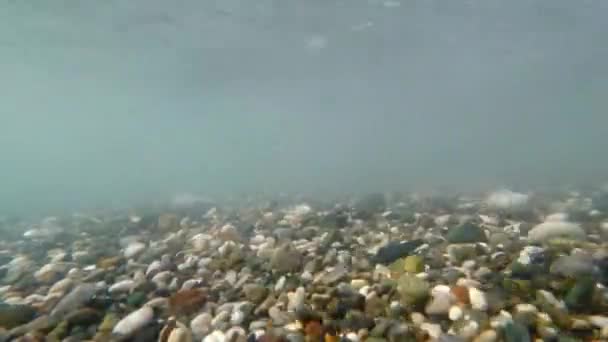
(580,296)
(136,299)
(466,233)
(413,264)
(515,332)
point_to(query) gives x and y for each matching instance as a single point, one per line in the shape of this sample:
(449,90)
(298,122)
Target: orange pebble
(331,338)
(461,293)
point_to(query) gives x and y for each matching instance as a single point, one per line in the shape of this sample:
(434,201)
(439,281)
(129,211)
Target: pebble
(434,330)
(455,313)
(573,266)
(478,299)
(556,229)
(487,336)
(74,299)
(134,321)
(134,249)
(215,336)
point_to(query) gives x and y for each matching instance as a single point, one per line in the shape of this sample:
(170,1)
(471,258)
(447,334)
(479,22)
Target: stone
(201,325)
(487,336)
(413,264)
(400,332)
(375,306)
(515,332)
(459,252)
(136,299)
(466,233)
(296,299)
(134,249)
(478,299)
(455,313)
(395,250)
(15,315)
(286,259)
(255,293)
(333,276)
(440,304)
(573,266)
(84,317)
(74,299)
(381,327)
(413,290)
(134,321)
(507,200)
(580,296)
(556,229)
(434,330)
(598,321)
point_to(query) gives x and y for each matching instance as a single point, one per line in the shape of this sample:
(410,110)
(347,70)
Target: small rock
(434,330)
(333,276)
(201,325)
(136,299)
(15,315)
(556,229)
(598,321)
(357,284)
(286,259)
(487,336)
(73,300)
(413,264)
(573,266)
(466,233)
(412,289)
(478,299)
(439,305)
(134,249)
(455,313)
(134,321)
(396,250)
(122,286)
(296,299)
(515,332)
(580,296)
(215,336)
(84,317)
(255,293)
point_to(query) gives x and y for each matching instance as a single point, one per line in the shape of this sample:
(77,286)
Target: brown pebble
(461,293)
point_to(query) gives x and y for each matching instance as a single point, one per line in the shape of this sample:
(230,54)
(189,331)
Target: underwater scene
(304,170)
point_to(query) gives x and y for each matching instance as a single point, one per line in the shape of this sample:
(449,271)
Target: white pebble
(122,286)
(215,336)
(358,284)
(478,299)
(455,313)
(469,330)
(134,321)
(434,330)
(417,318)
(439,290)
(501,319)
(353,337)
(280,284)
(599,321)
(134,249)
(526,308)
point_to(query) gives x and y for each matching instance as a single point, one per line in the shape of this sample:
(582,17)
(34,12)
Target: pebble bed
(503,266)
